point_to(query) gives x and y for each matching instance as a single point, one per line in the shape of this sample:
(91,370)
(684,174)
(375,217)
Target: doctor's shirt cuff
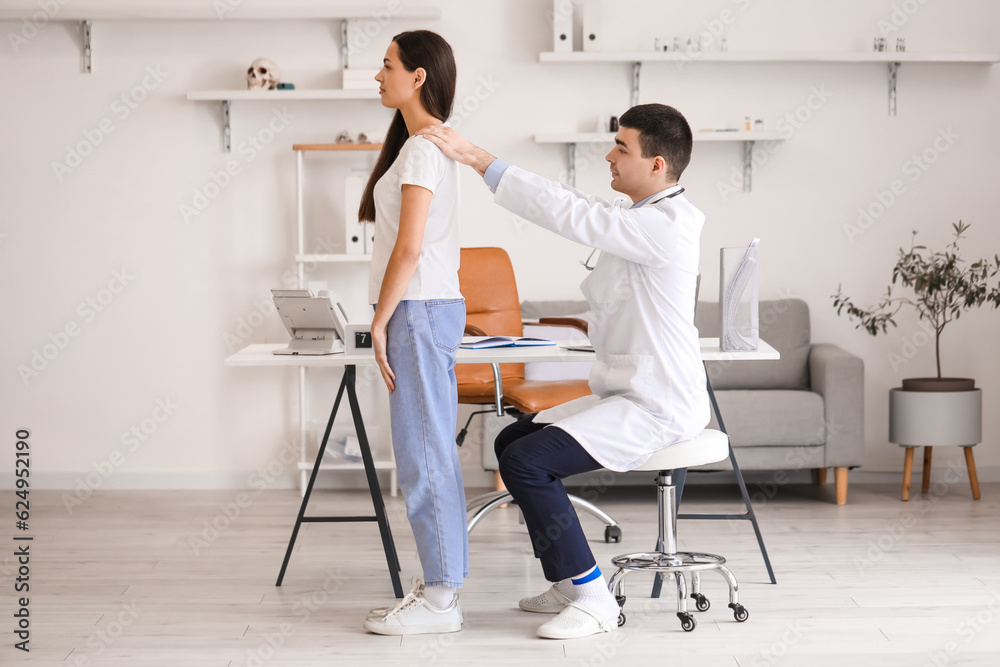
(493,174)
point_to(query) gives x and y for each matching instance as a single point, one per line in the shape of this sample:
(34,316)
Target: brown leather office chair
(493,308)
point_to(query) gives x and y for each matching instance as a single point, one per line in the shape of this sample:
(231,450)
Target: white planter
(935,418)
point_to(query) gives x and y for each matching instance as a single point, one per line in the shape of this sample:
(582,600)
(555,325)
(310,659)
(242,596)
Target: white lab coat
(648,379)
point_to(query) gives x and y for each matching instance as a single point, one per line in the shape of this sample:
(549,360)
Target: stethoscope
(586,262)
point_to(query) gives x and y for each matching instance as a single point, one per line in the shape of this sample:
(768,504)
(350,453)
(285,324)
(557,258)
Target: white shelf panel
(766,57)
(347,465)
(333,258)
(597,137)
(206,11)
(282,95)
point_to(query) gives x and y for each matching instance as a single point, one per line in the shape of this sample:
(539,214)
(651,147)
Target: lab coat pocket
(447,321)
(627,375)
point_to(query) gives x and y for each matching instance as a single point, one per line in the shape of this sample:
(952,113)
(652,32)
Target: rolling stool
(710,446)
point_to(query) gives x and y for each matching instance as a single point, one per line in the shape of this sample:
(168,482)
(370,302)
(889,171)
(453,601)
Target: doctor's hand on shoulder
(457,147)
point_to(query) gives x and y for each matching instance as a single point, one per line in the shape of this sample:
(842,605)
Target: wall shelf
(766,57)
(336,257)
(218,11)
(336,147)
(892,59)
(748,138)
(227,97)
(237,95)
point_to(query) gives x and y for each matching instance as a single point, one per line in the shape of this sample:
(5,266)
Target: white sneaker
(414,616)
(551,601)
(576,621)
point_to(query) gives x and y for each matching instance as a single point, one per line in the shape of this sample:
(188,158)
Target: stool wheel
(700,601)
(612,534)
(687,621)
(739,612)
(621,619)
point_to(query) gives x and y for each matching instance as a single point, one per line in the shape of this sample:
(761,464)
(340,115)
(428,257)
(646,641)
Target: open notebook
(481,342)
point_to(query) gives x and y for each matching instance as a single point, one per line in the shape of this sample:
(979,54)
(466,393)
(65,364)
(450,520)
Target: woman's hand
(379,339)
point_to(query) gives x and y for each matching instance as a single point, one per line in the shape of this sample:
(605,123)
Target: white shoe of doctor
(579,620)
(551,601)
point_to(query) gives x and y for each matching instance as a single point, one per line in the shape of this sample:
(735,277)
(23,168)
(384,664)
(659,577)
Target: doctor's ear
(660,166)
(419,76)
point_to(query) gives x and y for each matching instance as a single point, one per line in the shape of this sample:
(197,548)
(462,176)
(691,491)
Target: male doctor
(648,381)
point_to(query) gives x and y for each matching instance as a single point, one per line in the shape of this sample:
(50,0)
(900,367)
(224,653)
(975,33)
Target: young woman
(413,198)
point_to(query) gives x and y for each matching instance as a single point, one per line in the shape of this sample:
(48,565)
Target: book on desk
(483,342)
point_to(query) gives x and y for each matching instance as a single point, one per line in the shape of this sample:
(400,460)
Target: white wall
(191,283)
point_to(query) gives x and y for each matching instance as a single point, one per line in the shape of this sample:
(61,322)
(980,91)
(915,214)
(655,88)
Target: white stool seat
(708,447)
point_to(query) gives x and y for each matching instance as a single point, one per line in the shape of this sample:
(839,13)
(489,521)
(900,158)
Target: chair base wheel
(612,534)
(739,612)
(701,602)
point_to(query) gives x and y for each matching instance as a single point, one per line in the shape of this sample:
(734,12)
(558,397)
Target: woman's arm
(416,202)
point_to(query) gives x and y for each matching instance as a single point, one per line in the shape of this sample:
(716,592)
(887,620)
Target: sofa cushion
(784,323)
(774,417)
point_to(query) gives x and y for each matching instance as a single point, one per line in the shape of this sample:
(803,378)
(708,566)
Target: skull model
(263,75)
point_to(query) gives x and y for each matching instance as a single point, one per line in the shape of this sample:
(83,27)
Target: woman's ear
(419,76)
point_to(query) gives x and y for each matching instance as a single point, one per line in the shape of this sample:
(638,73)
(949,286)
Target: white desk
(261,354)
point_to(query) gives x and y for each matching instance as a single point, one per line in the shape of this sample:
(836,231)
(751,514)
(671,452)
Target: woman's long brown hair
(417,48)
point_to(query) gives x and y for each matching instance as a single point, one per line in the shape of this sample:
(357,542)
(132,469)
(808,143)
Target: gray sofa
(805,411)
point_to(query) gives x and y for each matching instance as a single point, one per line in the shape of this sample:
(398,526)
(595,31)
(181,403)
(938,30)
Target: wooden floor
(142,578)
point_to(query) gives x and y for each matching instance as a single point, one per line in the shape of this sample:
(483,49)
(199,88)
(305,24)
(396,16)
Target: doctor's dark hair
(663,131)
(417,48)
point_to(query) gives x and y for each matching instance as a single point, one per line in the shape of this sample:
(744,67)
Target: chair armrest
(839,377)
(574,322)
(473,330)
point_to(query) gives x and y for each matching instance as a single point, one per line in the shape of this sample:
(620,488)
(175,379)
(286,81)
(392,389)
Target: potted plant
(937,410)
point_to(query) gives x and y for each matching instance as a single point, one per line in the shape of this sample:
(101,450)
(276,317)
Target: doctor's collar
(666,193)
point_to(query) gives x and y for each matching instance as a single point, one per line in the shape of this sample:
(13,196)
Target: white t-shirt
(421,163)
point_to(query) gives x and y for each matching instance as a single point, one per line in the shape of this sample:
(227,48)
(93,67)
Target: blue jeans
(423,338)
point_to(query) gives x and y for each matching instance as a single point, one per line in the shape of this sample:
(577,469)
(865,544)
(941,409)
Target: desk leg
(391,558)
(749,515)
(312,480)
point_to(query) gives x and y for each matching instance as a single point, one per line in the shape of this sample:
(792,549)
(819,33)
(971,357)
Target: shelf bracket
(87,69)
(226,130)
(345,45)
(747,165)
(636,69)
(893,68)
(572,166)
